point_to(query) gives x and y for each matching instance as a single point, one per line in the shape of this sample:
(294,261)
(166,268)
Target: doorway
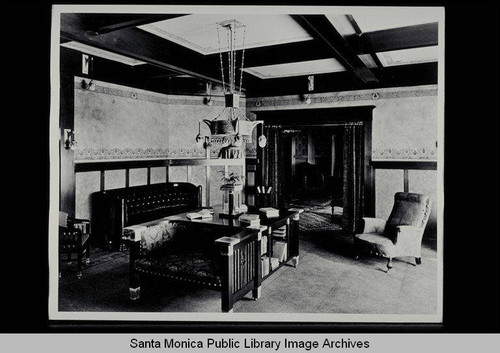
(333,174)
(314,173)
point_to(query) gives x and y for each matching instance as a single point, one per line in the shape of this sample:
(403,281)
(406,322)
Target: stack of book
(275,263)
(250,220)
(280,250)
(265,265)
(269,264)
(263,245)
(201,215)
(280,232)
(269,212)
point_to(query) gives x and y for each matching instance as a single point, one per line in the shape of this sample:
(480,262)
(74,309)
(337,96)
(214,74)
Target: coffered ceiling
(347,49)
(200,32)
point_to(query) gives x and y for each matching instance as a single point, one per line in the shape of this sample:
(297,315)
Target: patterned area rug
(98,258)
(310,201)
(316,219)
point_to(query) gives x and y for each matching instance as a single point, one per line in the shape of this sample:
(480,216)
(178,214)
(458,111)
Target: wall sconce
(69,139)
(207,143)
(89,86)
(306,99)
(208,101)
(200,139)
(310,83)
(88,68)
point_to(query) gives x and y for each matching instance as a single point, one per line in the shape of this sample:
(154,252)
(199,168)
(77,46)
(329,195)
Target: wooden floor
(328,282)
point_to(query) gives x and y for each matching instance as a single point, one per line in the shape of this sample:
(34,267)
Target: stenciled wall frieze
(423,153)
(404,154)
(104,153)
(187,152)
(129,92)
(97,154)
(332,98)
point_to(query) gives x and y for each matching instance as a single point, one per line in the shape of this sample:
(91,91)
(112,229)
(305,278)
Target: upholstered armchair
(401,235)
(74,237)
(309,177)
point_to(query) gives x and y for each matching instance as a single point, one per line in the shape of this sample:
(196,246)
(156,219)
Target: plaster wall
(404,128)
(118,123)
(121,123)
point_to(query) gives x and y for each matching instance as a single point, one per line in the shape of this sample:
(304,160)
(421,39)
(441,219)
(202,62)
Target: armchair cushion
(402,234)
(409,209)
(407,230)
(377,244)
(408,241)
(309,177)
(374,225)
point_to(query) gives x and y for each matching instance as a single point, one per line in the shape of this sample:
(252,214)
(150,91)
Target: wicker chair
(401,235)
(74,237)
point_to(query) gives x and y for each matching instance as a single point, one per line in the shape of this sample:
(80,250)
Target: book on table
(269,212)
(206,210)
(249,219)
(255,223)
(203,214)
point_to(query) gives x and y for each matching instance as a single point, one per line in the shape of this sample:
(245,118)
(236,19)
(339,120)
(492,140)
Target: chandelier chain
(242,57)
(229,59)
(233,50)
(221,64)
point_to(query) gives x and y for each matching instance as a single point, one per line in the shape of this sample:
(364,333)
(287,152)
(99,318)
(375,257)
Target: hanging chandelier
(231,127)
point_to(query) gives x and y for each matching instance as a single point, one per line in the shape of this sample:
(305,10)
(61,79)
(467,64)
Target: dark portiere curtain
(353,177)
(274,165)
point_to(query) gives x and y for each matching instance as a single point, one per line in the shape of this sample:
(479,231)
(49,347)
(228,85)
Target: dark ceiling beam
(393,76)
(285,53)
(358,30)
(320,28)
(141,45)
(145,77)
(134,21)
(396,39)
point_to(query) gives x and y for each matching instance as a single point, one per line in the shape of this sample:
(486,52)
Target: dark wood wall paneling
(405,166)
(102,167)
(251,174)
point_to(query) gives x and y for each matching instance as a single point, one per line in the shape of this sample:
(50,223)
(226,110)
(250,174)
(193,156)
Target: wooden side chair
(74,237)
(401,235)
